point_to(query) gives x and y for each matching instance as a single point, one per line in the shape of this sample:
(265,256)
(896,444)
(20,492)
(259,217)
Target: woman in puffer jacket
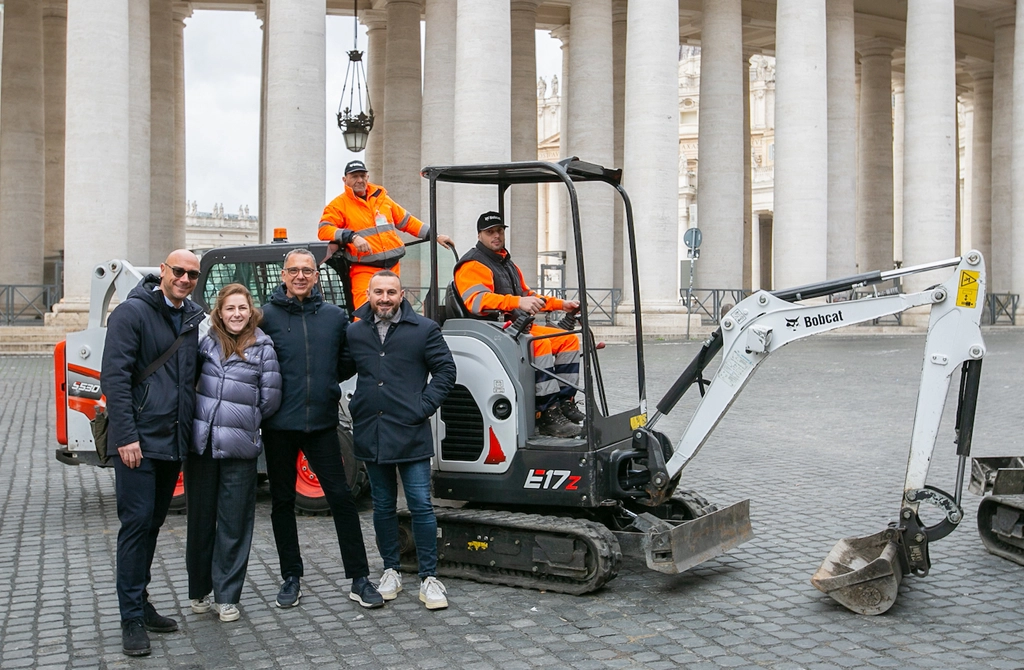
(239,386)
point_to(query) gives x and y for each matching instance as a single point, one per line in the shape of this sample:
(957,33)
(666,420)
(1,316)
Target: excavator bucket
(672,547)
(862,574)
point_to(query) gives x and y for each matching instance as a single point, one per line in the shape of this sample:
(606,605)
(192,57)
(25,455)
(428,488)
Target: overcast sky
(222,112)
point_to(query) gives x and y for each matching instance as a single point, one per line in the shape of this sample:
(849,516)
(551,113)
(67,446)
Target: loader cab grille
(464,426)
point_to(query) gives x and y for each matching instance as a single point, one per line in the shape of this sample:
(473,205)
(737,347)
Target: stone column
(161,127)
(1017,173)
(720,147)
(929,148)
(651,151)
(403,107)
(182,10)
(591,135)
(376,23)
(264,236)
(619,264)
(897,166)
(295,159)
(842,139)
(999,265)
(522,234)
(55,25)
(800,231)
(22,145)
(981,164)
(483,59)
(749,234)
(139,133)
(96,155)
(439,107)
(562,204)
(874,158)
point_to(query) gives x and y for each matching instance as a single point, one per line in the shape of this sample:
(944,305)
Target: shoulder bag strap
(158,363)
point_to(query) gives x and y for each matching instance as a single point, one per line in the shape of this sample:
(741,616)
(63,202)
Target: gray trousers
(221,498)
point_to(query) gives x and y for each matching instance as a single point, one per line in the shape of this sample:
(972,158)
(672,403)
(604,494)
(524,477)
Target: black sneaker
(289,594)
(571,411)
(365,593)
(553,423)
(134,639)
(154,622)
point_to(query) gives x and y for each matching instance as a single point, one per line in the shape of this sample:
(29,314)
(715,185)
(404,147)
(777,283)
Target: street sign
(692,238)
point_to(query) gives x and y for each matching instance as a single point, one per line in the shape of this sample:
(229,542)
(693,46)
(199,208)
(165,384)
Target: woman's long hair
(229,343)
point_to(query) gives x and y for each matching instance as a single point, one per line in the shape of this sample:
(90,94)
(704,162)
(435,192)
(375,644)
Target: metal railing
(603,302)
(873,292)
(25,304)
(711,303)
(1001,308)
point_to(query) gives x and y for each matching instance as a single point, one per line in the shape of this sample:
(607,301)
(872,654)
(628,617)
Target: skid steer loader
(557,514)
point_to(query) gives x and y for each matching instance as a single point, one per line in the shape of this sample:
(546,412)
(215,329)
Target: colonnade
(90,138)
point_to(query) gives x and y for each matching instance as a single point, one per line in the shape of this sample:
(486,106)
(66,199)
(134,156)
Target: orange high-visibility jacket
(482,293)
(375,219)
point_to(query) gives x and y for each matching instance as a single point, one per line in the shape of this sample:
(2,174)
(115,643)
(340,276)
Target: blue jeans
(384,491)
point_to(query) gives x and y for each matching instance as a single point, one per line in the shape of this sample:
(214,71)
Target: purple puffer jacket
(234,396)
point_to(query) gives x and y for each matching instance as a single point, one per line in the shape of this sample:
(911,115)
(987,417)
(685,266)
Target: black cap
(355,166)
(489,220)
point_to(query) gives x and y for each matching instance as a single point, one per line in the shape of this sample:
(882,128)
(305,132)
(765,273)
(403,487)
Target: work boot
(571,411)
(134,639)
(553,423)
(365,593)
(156,623)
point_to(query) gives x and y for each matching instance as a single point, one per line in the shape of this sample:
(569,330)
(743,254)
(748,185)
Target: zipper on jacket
(305,338)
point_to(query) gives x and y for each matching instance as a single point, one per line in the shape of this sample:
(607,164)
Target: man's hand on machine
(531,304)
(570,305)
(445,241)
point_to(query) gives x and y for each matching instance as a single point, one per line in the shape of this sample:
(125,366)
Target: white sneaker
(227,611)
(390,584)
(201,605)
(432,594)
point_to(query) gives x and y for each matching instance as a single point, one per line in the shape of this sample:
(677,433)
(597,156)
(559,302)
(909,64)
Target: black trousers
(143,498)
(324,455)
(221,497)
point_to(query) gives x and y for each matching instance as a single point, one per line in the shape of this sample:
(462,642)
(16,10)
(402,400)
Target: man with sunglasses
(149,409)
(309,334)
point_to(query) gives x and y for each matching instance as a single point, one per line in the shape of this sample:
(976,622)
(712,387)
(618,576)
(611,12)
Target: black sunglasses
(178,272)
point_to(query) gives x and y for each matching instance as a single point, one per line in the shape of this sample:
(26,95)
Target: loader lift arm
(764,322)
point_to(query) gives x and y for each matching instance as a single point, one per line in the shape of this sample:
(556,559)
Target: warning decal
(967,292)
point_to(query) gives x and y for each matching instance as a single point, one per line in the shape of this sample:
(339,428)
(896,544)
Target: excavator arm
(765,322)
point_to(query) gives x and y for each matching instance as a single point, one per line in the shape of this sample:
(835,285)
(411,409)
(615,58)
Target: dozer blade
(862,574)
(692,542)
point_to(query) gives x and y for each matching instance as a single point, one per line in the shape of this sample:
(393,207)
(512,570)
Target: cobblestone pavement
(818,442)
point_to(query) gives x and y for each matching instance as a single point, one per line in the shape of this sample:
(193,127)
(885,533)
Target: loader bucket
(693,542)
(862,574)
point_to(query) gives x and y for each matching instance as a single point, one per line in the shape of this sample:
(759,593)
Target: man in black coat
(394,350)
(150,426)
(309,335)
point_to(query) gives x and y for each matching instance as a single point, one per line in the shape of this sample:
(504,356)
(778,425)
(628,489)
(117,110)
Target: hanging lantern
(355,119)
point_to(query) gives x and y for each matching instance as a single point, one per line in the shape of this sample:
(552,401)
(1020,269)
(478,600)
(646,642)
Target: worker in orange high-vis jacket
(491,286)
(363,221)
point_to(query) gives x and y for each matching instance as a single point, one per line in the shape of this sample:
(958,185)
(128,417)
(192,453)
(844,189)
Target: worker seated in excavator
(491,286)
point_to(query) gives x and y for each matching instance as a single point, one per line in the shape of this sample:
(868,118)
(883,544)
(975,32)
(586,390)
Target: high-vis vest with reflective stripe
(375,219)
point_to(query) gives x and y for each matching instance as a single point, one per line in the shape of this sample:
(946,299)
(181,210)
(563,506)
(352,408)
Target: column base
(69,313)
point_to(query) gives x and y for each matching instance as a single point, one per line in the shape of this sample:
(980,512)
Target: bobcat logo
(793,323)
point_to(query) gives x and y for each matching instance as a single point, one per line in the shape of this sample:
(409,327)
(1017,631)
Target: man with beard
(394,350)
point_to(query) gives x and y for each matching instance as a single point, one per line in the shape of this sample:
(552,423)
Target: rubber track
(989,538)
(600,541)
